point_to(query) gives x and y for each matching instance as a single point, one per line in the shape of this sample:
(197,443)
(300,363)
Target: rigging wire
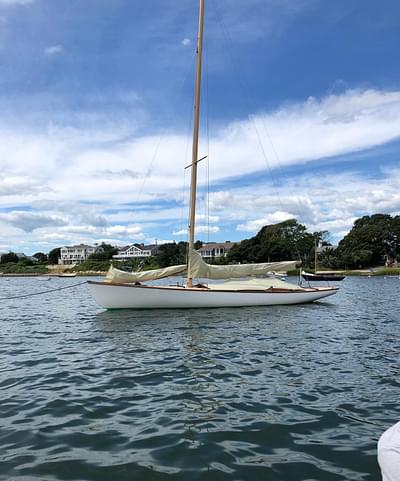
(208,142)
(205,114)
(247,89)
(31,294)
(150,168)
(184,217)
(161,136)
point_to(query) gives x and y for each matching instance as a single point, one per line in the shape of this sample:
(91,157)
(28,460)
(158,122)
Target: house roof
(79,246)
(134,247)
(216,245)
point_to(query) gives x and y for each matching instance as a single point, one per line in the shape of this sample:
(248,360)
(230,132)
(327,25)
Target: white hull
(126,296)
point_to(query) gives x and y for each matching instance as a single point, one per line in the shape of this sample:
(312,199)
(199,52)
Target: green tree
(171,254)
(54,255)
(284,241)
(41,257)
(9,257)
(372,240)
(104,252)
(321,238)
(329,258)
(26,261)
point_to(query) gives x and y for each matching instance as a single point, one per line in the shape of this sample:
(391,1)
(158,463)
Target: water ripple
(284,393)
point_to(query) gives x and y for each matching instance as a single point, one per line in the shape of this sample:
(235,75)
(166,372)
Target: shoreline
(361,273)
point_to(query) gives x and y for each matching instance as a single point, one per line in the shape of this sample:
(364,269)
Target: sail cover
(117,275)
(198,268)
(254,285)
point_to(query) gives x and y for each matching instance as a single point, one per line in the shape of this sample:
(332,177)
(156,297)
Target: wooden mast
(315,256)
(195,147)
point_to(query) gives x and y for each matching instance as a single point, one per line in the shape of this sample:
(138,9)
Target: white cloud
(334,125)
(17,185)
(257,224)
(53,50)
(125,231)
(248,203)
(212,219)
(29,222)
(200,229)
(186,41)
(108,231)
(322,202)
(205,229)
(155,240)
(77,168)
(180,232)
(86,178)
(112,174)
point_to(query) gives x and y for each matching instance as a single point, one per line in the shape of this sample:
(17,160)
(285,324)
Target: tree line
(373,240)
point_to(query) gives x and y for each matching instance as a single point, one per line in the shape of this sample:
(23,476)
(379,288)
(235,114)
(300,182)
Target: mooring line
(42,292)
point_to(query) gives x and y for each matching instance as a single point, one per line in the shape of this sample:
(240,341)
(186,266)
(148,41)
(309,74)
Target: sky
(300,118)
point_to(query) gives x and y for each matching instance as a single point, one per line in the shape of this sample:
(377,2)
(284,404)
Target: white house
(215,249)
(75,254)
(132,252)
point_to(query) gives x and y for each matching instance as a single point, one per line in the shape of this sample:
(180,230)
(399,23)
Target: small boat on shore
(67,274)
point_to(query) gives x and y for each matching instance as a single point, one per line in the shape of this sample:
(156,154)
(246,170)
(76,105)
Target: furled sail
(253,285)
(198,268)
(117,275)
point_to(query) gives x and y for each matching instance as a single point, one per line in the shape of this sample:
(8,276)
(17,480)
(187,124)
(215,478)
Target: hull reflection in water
(126,296)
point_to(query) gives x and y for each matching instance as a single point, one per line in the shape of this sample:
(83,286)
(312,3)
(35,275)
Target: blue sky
(300,118)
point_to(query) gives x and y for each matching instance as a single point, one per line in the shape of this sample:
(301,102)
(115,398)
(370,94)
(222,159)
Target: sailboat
(240,286)
(320,276)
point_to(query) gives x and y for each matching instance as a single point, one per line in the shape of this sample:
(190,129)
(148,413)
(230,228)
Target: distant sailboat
(126,290)
(320,276)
